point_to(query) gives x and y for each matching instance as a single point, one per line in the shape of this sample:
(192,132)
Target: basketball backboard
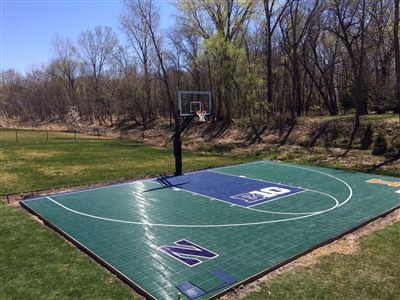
(191,101)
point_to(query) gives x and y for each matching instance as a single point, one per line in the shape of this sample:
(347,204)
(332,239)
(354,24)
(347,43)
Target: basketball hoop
(201,114)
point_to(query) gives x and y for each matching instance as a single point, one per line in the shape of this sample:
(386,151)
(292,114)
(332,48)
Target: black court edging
(90,253)
(285,262)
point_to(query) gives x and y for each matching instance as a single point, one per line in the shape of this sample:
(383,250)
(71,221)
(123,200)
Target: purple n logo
(190,249)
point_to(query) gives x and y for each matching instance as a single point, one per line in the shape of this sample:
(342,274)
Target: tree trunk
(397,50)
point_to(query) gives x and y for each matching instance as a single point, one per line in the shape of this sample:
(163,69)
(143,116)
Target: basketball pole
(179,128)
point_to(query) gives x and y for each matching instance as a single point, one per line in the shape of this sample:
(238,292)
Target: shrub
(72,119)
(367,138)
(334,134)
(347,101)
(380,145)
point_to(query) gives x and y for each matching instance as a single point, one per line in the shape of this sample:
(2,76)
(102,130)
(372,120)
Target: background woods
(261,60)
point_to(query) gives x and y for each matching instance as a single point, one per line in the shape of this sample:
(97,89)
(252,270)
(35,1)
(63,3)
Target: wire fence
(21,135)
(113,133)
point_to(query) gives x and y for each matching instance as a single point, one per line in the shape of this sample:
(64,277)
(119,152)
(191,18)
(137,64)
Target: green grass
(32,165)
(36,263)
(40,136)
(371,273)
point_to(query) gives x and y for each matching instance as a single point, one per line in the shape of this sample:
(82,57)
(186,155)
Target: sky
(28,26)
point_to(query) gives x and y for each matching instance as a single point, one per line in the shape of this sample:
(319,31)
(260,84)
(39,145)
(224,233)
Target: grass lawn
(33,163)
(36,263)
(372,272)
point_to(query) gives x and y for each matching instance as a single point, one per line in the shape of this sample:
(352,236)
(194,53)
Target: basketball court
(205,232)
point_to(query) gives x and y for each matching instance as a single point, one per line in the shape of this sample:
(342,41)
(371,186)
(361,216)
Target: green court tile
(240,220)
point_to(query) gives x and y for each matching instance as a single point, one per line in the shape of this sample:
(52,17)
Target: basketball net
(201,114)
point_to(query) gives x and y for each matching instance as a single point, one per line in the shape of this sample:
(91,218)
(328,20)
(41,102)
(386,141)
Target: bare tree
(66,66)
(379,45)
(397,50)
(273,14)
(141,21)
(138,35)
(294,28)
(188,58)
(11,94)
(319,58)
(350,29)
(96,49)
(64,71)
(127,81)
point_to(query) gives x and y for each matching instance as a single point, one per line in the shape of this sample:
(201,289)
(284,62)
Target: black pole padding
(179,128)
(178,154)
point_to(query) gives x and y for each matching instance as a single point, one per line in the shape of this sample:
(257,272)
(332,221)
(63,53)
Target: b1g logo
(265,194)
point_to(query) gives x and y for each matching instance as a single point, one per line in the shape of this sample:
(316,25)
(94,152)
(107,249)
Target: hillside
(328,141)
